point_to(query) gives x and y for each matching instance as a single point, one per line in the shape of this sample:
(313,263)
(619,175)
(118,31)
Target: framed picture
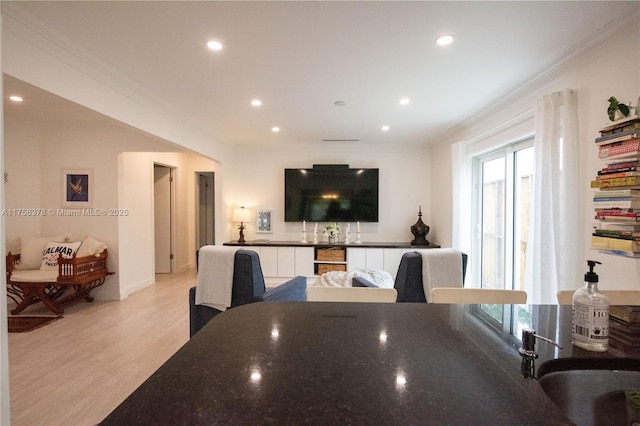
(77,188)
(264,222)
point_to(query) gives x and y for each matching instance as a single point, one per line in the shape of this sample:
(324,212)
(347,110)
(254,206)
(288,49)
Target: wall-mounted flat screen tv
(331,193)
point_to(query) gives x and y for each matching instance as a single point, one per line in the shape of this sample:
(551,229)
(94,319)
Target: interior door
(162,218)
(206,215)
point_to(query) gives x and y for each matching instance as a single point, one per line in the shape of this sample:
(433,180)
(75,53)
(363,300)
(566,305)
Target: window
(503,181)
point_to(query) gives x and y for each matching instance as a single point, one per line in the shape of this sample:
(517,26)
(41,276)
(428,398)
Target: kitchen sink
(594,391)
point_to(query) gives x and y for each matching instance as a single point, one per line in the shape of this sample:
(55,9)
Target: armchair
(248,287)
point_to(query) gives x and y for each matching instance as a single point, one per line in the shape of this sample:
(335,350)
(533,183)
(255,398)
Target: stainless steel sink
(598,391)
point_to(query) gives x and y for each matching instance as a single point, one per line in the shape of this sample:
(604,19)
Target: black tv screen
(331,194)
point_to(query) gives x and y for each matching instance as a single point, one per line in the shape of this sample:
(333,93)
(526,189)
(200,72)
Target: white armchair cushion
(34,276)
(31,249)
(53,250)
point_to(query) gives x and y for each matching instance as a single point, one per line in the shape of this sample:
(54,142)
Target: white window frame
(507,151)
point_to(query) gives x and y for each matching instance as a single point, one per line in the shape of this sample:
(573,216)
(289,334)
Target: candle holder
(304,238)
(358,241)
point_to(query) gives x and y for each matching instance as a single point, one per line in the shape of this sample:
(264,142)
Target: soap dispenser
(591,314)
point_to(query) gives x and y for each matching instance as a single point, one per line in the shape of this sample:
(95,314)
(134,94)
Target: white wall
(256,181)
(610,69)
(136,230)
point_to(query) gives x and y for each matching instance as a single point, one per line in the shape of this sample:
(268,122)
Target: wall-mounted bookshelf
(616,196)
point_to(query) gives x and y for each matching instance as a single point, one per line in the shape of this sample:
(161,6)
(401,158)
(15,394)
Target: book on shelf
(617,215)
(620,123)
(613,172)
(600,242)
(618,174)
(621,226)
(624,149)
(620,165)
(617,233)
(633,182)
(602,203)
(630,125)
(622,326)
(622,193)
(623,338)
(617,137)
(628,314)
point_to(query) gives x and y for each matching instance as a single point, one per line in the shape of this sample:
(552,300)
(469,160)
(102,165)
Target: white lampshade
(240,214)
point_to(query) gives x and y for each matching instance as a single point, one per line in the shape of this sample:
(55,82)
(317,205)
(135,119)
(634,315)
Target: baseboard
(124,293)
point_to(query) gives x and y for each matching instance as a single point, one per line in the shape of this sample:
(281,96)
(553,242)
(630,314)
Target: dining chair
(351,294)
(478,296)
(616,297)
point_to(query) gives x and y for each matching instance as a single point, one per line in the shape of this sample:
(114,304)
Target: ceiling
(299,58)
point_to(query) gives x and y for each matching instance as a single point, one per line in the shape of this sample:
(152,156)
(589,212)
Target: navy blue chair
(248,287)
(408,282)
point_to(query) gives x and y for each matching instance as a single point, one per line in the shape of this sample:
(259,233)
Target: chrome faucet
(528,352)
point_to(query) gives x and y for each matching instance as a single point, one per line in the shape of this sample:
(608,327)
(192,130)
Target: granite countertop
(343,363)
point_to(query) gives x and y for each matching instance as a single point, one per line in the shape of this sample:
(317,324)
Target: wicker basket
(330,255)
(328,267)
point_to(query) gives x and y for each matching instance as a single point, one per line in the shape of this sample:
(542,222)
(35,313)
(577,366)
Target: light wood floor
(76,370)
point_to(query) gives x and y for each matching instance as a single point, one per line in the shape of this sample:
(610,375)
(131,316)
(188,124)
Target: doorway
(206,209)
(163,218)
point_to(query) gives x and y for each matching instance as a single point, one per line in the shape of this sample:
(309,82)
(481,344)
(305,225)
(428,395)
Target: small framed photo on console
(264,222)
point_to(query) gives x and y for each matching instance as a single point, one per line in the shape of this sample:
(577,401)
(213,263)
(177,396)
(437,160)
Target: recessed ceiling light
(214,45)
(385,128)
(405,101)
(256,102)
(445,39)
(275,129)
(15,98)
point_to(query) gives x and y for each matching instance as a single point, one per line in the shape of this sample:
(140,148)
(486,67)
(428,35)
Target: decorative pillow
(31,249)
(55,249)
(91,247)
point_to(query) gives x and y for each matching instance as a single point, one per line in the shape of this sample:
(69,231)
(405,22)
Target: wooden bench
(76,277)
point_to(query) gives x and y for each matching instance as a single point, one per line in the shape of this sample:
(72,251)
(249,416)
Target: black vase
(419,231)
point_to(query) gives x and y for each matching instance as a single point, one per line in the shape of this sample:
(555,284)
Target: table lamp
(240,214)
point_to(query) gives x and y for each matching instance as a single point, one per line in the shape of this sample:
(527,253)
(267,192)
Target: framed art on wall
(264,222)
(77,188)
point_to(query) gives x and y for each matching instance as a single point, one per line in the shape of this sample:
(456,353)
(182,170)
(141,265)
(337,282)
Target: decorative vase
(332,239)
(419,231)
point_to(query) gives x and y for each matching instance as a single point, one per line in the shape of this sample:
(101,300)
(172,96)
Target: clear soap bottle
(591,314)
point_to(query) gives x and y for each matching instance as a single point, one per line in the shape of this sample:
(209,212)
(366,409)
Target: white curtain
(554,230)
(461,166)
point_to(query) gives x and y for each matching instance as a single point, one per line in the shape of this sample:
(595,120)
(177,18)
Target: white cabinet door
(286,262)
(392,261)
(269,261)
(304,261)
(356,258)
(375,258)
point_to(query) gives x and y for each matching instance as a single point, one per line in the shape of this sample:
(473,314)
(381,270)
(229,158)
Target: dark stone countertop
(326,363)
